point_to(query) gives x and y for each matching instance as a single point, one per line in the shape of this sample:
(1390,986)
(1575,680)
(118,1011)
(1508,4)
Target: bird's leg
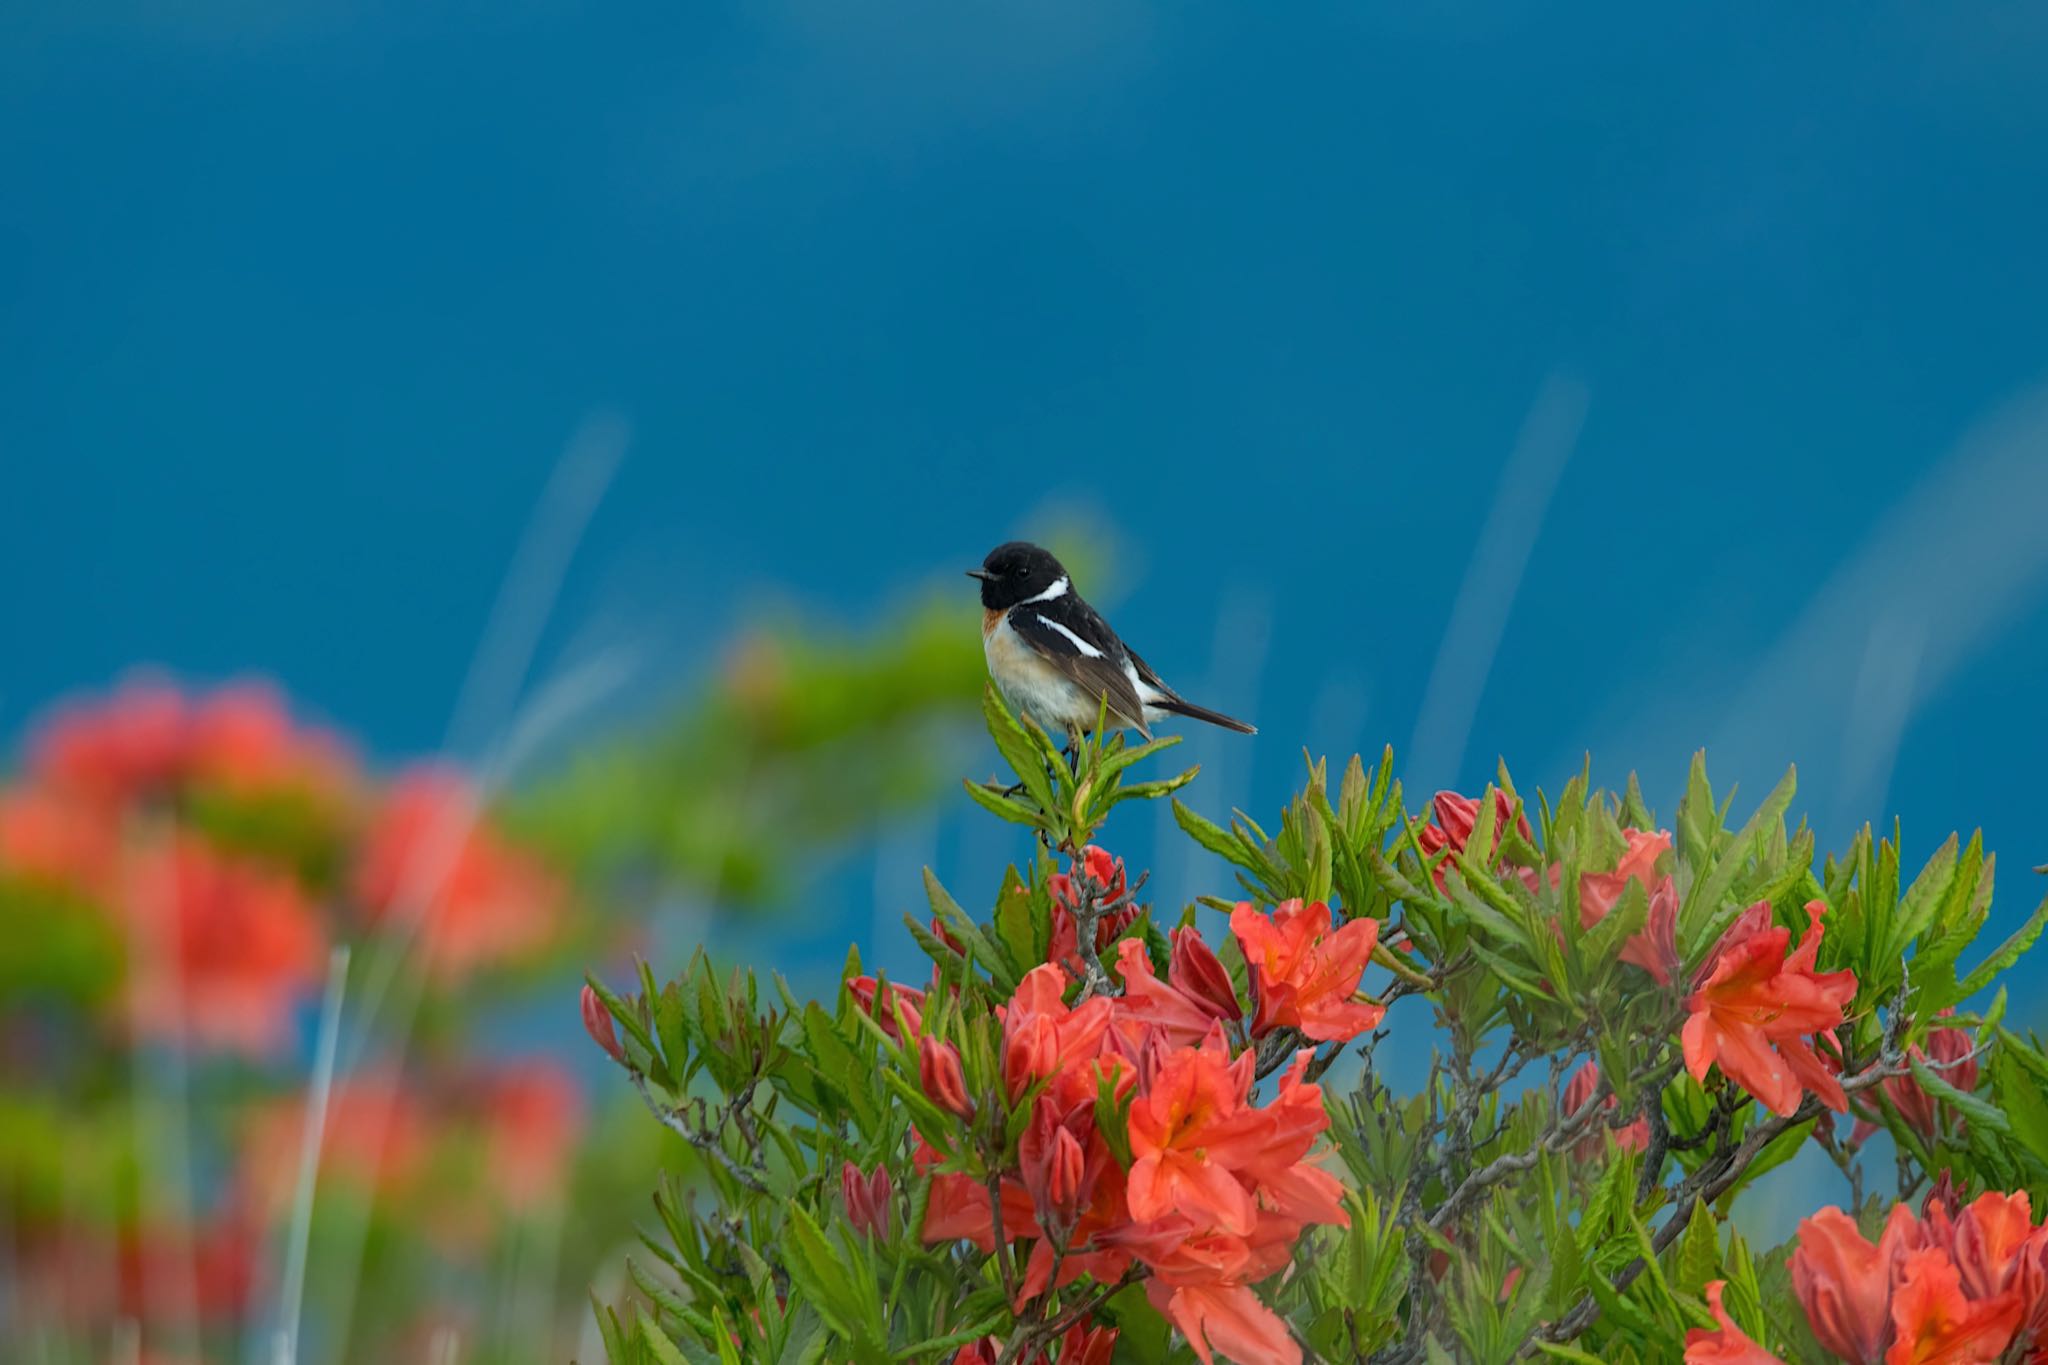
(1072,753)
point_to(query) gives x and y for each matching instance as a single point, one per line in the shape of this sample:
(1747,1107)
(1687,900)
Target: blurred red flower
(1844,1283)
(1935,1323)
(532,1118)
(430,854)
(148,736)
(375,1141)
(224,951)
(58,842)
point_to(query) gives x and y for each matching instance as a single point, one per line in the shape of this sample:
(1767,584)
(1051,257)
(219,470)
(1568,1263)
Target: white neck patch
(1058,589)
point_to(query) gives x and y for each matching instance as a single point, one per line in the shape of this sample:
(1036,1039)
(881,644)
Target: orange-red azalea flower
(1190,1133)
(1228,1318)
(1149,1003)
(1726,1344)
(1043,1039)
(1758,1007)
(1952,1052)
(868,1198)
(940,1074)
(1844,1283)
(1305,975)
(1935,1323)
(1197,973)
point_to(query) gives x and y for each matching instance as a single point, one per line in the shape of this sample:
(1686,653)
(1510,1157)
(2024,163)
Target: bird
(1054,658)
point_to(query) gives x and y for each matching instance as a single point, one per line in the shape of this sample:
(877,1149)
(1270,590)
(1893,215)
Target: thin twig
(705,1140)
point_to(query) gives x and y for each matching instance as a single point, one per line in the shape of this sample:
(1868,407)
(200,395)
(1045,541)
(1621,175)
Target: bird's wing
(1083,647)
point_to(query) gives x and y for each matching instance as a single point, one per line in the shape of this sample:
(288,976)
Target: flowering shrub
(176,871)
(1098,1131)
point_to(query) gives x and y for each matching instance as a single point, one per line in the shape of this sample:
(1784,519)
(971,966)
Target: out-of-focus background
(601,403)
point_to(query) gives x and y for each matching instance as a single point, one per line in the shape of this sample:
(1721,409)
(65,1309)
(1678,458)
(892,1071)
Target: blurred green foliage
(807,737)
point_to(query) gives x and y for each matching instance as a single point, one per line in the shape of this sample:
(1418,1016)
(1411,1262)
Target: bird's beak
(983,574)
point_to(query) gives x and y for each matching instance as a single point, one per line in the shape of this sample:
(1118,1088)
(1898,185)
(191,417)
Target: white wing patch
(1057,590)
(1089,650)
(1147,693)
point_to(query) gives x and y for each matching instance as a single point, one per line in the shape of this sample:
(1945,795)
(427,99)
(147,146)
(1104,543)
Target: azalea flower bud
(881,1001)
(938,1071)
(1950,1049)
(597,1022)
(1063,1173)
(1635,1137)
(1196,972)
(1055,1165)
(1086,1345)
(1030,1050)
(868,1198)
(945,936)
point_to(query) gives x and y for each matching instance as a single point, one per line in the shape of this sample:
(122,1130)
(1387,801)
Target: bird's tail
(1194,712)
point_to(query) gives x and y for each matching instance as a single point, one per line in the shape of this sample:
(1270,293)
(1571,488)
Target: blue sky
(299,304)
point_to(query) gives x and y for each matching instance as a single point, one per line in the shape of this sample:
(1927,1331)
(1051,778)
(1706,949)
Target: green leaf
(1002,971)
(2006,953)
(657,1343)
(1019,748)
(2020,1094)
(1572,1353)
(1923,900)
(1702,906)
(1513,973)
(1114,763)
(1016,925)
(1698,1258)
(806,1341)
(839,1067)
(1212,836)
(1979,1112)
(1147,791)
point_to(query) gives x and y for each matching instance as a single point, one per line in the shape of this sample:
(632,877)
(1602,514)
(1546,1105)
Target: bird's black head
(1016,572)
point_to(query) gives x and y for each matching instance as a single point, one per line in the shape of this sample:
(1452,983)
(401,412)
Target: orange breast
(990,619)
